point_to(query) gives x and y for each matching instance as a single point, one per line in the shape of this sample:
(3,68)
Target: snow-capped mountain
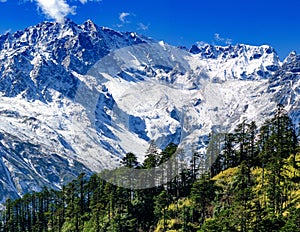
(76,98)
(238,62)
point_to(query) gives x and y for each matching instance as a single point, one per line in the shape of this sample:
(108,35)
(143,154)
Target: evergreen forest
(248,180)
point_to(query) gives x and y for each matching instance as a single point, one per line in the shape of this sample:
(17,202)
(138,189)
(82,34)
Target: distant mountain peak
(238,61)
(90,25)
(213,51)
(291,57)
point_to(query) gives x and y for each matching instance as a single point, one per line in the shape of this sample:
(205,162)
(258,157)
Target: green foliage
(293,222)
(130,160)
(253,185)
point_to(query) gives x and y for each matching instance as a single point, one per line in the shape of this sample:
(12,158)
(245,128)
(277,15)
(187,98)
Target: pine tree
(229,151)
(151,161)
(152,156)
(242,140)
(214,149)
(279,145)
(203,193)
(130,160)
(244,196)
(253,148)
(161,202)
(168,167)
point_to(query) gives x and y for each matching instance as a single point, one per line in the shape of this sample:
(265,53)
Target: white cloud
(228,41)
(57,9)
(3,0)
(143,26)
(123,16)
(218,38)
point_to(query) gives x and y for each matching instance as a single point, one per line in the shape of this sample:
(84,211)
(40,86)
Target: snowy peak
(43,55)
(47,34)
(292,57)
(76,98)
(238,62)
(285,85)
(41,69)
(208,51)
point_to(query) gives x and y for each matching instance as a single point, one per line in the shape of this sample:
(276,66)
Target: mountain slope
(76,98)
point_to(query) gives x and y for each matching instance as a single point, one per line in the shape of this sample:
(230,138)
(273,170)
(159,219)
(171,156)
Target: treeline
(247,181)
(94,204)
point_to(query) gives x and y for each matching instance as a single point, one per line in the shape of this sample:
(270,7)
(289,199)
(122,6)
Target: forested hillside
(253,185)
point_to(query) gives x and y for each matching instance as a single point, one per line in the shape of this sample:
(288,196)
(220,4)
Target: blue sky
(178,22)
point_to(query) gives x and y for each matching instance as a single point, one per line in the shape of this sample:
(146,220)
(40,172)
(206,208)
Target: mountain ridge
(76,98)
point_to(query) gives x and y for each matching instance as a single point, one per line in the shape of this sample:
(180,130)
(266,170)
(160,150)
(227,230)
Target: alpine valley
(77,98)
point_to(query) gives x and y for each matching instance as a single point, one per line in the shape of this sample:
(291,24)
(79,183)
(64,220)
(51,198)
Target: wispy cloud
(57,9)
(3,0)
(85,1)
(143,27)
(123,16)
(218,38)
